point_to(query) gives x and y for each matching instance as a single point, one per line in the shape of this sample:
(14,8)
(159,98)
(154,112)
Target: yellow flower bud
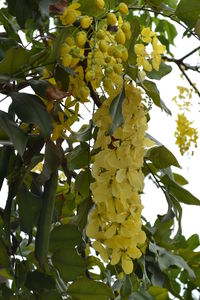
(123,8)
(111,19)
(66,60)
(120,37)
(85,22)
(100,4)
(81,38)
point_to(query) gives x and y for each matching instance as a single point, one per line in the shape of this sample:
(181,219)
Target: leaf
(180,179)
(178,192)
(5,44)
(9,25)
(15,133)
(152,91)
(82,183)
(15,59)
(167,259)
(161,157)
(29,207)
(83,135)
(5,153)
(116,111)
(4,259)
(52,159)
(84,289)
(62,76)
(50,295)
(188,12)
(30,109)
(141,295)
(126,288)
(158,292)
(135,31)
(21,9)
(163,71)
(38,281)
(40,87)
(69,264)
(64,236)
(89,8)
(167,28)
(78,157)
(82,213)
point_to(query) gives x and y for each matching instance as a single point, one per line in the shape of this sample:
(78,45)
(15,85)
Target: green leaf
(30,109)
(62,76)
(21,9)
(84,289)
(29,207)
(38,281)
(82,213)
(193,241)
(64,236)
(15,133)
(5,44)
(50,295)
(82,183)
(40,87)
(89,8)
(152,91)
(168,29)
(180,179)
(116,111)
(78,157)
(141,295)
(69,264)
(15,60)
(4,259)
(188,12)
(167,259)
(163,71)
(158,292)
(178,192)
(161,157)
(83,135)
(135,31)
(52,159)
(5,153)
(126,288)
(8,24)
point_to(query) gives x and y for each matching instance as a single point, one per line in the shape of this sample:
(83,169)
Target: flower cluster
(144,59)
(115,222)
(102,53)
(185,134)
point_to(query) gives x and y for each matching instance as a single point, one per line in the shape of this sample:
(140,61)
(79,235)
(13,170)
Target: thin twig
(171,16)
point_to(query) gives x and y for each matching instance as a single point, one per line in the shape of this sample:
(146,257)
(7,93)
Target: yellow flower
(185,134)
(156,53)
(147,35)
(70,14)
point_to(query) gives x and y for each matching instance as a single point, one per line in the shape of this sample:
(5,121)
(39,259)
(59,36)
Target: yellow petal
(102,251)
(127,264)
(115,256)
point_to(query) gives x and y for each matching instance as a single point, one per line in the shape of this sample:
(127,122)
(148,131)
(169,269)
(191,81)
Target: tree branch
(171,16)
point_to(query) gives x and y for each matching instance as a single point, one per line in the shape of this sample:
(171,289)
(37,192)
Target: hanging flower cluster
(115,222)
(144,59)
(185,134)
